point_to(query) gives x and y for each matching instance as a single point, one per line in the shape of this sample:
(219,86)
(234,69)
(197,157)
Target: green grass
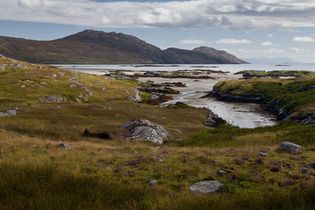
(230,136)
(295,96)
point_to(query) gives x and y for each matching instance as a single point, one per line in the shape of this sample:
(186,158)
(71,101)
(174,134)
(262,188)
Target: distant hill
(96,47)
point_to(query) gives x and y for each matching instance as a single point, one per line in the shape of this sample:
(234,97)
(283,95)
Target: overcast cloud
(188,14)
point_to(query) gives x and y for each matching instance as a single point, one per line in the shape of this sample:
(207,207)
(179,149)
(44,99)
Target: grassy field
(114,174)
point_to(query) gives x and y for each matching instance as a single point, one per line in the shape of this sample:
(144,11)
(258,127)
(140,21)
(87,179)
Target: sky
(246,28)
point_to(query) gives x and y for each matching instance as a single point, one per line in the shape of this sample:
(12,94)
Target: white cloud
(188,13)
(303,39)
(273,51)
(233,41)
(192,41)
(267,43)
(270,35)
(297,50)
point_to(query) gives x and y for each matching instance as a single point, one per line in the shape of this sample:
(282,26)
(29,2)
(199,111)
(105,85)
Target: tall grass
(44,187)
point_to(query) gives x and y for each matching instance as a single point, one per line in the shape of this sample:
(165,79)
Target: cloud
(192,41)
(297,50)
(233,41)
(246,14)
(267,43)
(303,39)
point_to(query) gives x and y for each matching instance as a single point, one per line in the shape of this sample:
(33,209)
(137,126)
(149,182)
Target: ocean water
(233,68)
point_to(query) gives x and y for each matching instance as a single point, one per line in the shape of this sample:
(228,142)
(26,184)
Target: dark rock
(305,170)
(275,168)
(214,120)
(260,161)
(311,165)
(100,135)
(206,187)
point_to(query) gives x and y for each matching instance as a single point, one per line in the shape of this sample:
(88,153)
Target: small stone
(206,187)
(290,147)
(153,182)
(221,172)
(260,161)
(305,170)
(263,154)
(275,168)
(311,165)
(64,146)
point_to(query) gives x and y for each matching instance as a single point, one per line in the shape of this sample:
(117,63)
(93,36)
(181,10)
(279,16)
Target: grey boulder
(8,113)
(146,130)
(206,187)
(290,147)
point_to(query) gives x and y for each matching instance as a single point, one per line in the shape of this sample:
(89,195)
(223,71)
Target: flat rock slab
(290,147)
(8,113)
(146,130)
(206,187)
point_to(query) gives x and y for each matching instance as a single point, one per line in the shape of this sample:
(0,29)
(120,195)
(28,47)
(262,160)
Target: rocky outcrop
(206,187)
(289,147)
(216,92)
(146,130)
(8,113)
(52,99)
(214,120)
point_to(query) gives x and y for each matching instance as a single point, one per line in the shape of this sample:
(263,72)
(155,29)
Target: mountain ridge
(98,47)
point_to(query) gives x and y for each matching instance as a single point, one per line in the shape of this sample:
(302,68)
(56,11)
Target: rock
(64,146)
(153,182)
(136,96)
(100,135)
(263,154)
(206,187)
(311,165)
(8,113)
(275,168)
(305,170)
(289,147)
(260,161)
(52,99)
(146,130)
(213,120)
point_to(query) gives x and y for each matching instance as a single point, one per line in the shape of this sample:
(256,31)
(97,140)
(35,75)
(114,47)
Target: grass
(114,174)
(230,136)
(294,96)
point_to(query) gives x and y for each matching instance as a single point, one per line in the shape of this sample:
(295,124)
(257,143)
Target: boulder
(206,187)
(8,113)
(289,147)
(213,120)
(52,99)
(146,130)
(64,146)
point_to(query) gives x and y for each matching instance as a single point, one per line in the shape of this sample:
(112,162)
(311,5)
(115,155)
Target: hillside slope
(96,47)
